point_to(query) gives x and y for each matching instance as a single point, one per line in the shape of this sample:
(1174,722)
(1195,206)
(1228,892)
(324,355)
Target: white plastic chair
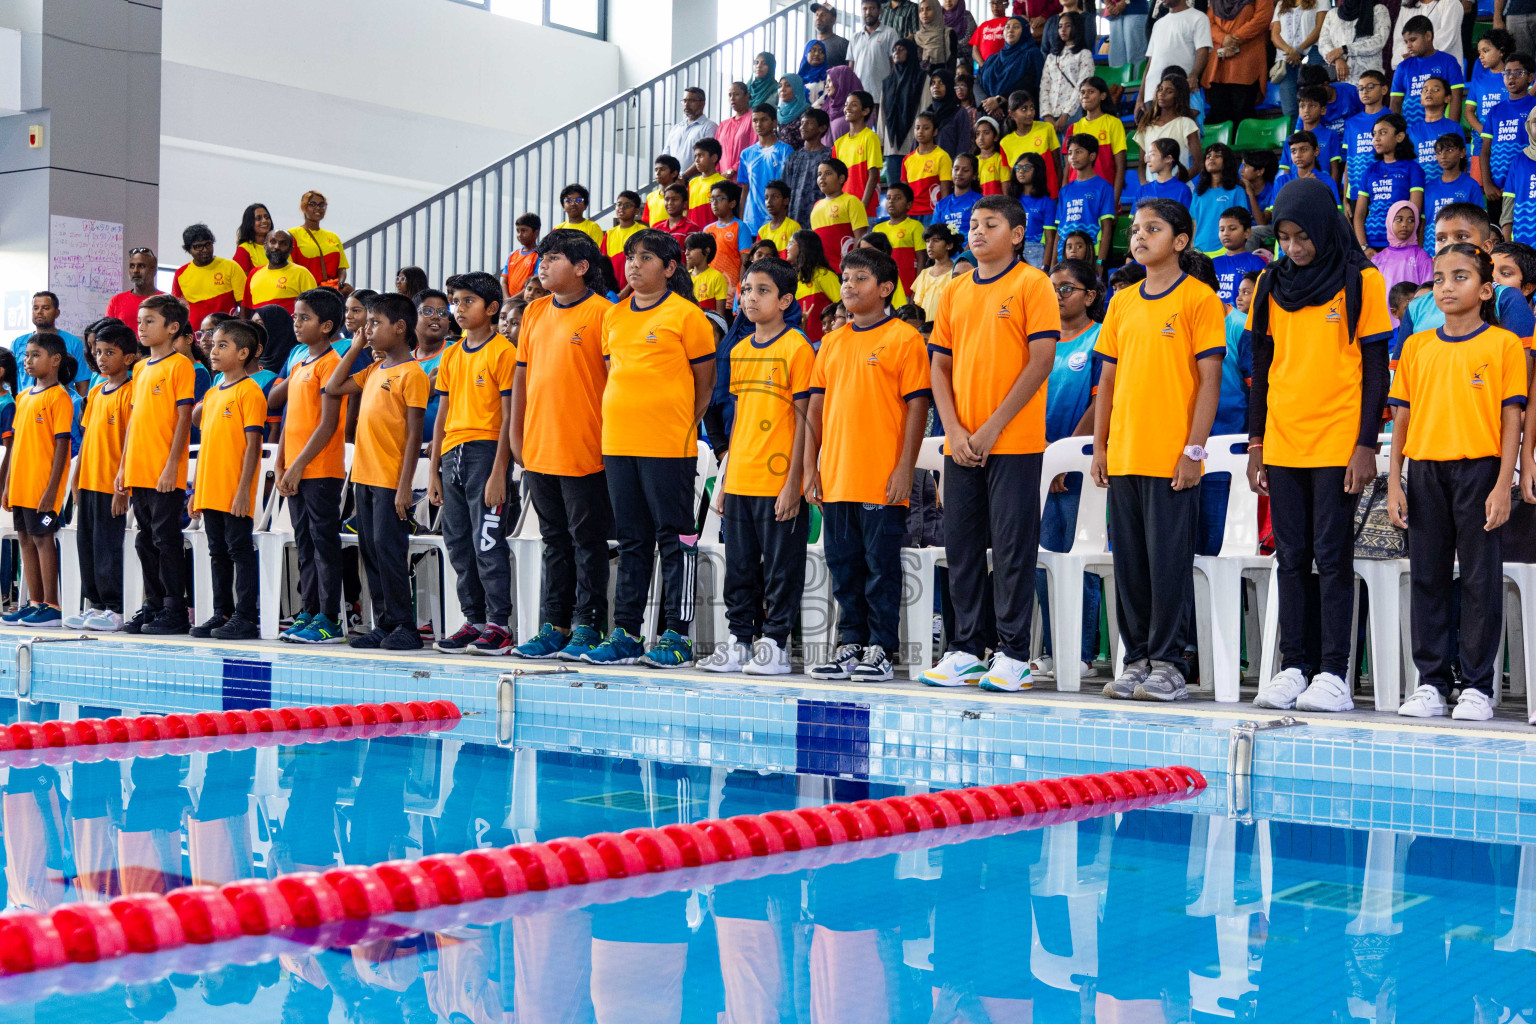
(196,536)
(1065,570)
(70,597)
(917,583)
(1218,617)
(527,547)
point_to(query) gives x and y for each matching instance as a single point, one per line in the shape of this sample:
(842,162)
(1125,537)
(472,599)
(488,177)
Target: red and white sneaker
(493,640)
(459,642)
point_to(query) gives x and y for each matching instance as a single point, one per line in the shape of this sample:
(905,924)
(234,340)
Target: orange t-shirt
(473,382)
(561,351)
(102,429)
(649,398)
(520,267)
(867,376)
(388,391)
(160,387)
(728,249)
(231,413)
(767,380)
(985,326)
(42,419)
(306,393)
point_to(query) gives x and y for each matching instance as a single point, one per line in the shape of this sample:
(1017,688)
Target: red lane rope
(27,744)
(348,899)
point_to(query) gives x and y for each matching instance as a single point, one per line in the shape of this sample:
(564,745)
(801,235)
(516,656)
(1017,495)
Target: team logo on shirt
(480,380)
(576,336)
(1332,316)
(1077,360)
(874,357)
(218,277)
(1169,325)
(650,337)
(1480,376)
(1003,312)
(229,409)
(385,385)
(155,388)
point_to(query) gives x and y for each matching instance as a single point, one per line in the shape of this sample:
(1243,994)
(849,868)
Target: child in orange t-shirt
(33,470)
(522,260)
(225,495)
(311,465)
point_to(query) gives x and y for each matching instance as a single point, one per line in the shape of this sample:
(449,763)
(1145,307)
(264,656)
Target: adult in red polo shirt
(142,266)
(316,249)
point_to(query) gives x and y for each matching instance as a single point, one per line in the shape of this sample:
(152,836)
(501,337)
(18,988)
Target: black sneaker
(141,618)
(169,622)
(238,628)
(207,629)
(459,642)
(370,640)
(493,640)
(404,638)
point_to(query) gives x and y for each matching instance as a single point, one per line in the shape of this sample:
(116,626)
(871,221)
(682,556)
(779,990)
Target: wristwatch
(1195,453)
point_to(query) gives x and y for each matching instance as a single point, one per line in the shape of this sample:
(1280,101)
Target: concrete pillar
(90,77)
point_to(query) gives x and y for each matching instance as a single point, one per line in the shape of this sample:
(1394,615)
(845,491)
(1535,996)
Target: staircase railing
(469,225)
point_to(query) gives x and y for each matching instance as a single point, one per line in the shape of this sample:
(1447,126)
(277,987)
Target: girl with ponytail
(1392,178)
(1457,399)
(1161,344)
(660,349)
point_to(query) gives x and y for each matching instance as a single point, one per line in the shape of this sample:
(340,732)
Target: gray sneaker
(1134,675)
(1164,683)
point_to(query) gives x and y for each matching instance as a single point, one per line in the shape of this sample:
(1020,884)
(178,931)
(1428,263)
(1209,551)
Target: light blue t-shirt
(73,345)
(1207,207)
(756,168)
(1069,389)
(1236,370)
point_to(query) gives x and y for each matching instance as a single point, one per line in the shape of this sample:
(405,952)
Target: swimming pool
(1311,894)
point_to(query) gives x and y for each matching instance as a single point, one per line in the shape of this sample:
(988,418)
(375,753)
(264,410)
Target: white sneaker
(956,668)
(728,657)
(103,620)
(1281,691)
(1327,693)
(768,658)
(1007,675)
(1473,706)
(1425,702)
(77,621)
(1045,665)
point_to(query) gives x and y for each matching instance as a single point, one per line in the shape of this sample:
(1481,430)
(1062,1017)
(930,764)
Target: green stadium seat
(1121,240)
(1221,132)
(1128,76)
(1132,151)
(1261,134)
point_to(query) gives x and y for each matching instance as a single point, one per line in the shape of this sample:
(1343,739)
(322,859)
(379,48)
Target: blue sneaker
(319,630)
(671,650)
(21,612)
(583,639)
(45,616)
(621,648)
(546,643)
(300,622)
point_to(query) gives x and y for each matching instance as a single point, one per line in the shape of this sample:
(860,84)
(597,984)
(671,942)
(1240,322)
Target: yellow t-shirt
(992,174)
(709,284)
(1041,138)
(986,326)
(588,227)
(319,251)
(698,198)
(767,380)
(834,220)
(926,173)
(864,157)
(473,383)
(1155,342)
(102,429)
(43,418)
(561,351)
(780,235)
(388,391)
(231,413)
(1456,389)
(648,402)
(160,386)
(281,286)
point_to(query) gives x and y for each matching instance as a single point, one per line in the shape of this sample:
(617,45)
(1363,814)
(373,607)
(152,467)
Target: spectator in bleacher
(124,306)
(987,38)
(282,280)
(903,91)
(1127,30)
(209,283)
(45,317)
(764,161)
(952,129)
(813,69)
(957,18)
(693,127)
(1066,68)
(1354,35)
(800,166)
(833,45)
(735,132)
(900,16)
(251,239)
(1233,80)
(1519,17)
(1181,38)
(793,101)
(842,82)
(1016,66)
(1444,15)
(1035,14)
(410,280)
(317,250)
(1295,29)
(870,49)
(934,39)
(1170,116)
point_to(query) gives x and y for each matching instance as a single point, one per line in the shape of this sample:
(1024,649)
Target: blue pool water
(1309,892)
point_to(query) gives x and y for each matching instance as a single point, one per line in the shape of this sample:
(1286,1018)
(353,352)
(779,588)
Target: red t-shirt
(1036,8)
(125,307)
(988,37)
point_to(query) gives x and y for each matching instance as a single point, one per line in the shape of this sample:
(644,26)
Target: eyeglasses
(1516,71)
(1068,289)
(431,312)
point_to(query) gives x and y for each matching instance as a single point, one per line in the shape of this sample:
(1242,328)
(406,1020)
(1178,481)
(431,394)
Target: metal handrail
(469,225)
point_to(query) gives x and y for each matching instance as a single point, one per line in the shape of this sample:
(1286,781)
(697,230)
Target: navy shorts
(28,521)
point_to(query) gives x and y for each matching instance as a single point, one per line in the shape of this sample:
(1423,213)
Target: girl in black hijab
(280,340)
(1319,328)
(901,96)
(952,127)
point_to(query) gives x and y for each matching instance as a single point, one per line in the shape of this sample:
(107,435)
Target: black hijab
(1338,259)
(1362,13)
(902,93)
(941,110)
(280,339)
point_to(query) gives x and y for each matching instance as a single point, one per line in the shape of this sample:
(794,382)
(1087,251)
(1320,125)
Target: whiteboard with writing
(85,268)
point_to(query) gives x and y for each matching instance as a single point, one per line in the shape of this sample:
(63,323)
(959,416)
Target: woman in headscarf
(841,83)
(902,94)
(792,103)
(1354,34)
(1016,66)
(280,340)
(953,127)
(934,39)
(813,69)
(957,18)
(763,86)
(1236,75)
(1313,436)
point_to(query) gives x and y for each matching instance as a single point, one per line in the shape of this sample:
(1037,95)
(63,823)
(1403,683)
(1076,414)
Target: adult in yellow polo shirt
(315,249)
(209,284)
(281,281)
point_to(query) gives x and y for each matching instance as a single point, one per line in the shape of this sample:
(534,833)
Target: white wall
(377,103)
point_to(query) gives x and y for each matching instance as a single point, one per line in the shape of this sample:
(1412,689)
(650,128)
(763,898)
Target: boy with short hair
(471,466)
(1422,62)
(226,490)
(626,207)
(706,161)
(1514,266)
(154,467)
(1434,94)
(761,503)
(667,171)
(1086,203)
(732,238)
(311,466)
(1357,140)
(905,234)
(1504,128)
(1465,222)
(1257,175)
(994,343)
(860,152)
(1235,259)
(839,219)
(710,288)
(862,439)
(1312,106)
(779,226)
(1303,148)
(676,223)
(522,260)
(760,164)
(392,402)
(574,200)
(102,513)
